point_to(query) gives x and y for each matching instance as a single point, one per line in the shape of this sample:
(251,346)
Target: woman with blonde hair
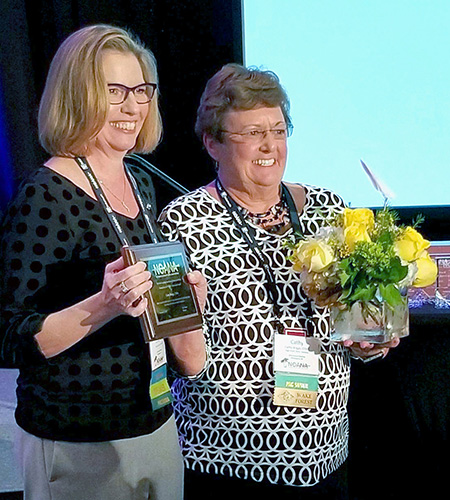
(90,427)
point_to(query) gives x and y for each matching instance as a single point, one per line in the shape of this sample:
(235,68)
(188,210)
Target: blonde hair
(74,104)
(235,87)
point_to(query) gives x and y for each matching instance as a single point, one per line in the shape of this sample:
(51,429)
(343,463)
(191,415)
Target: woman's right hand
(124,287)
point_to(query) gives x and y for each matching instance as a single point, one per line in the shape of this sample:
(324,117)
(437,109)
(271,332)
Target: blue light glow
(6,177)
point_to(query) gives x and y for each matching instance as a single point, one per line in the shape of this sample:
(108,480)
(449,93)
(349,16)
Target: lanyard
(159,389)
(248,234)
(146,208)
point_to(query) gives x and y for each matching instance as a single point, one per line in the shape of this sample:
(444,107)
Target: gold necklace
(125,206)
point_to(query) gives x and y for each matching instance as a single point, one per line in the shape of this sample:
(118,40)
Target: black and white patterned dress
(227,422)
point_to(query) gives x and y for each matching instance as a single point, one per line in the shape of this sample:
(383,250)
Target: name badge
(160,394)
(296,367)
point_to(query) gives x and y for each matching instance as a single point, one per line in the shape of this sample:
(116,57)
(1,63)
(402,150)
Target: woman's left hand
(189,349)
(365,350)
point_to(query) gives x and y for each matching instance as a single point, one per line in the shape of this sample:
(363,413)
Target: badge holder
(160,394)
(296,367)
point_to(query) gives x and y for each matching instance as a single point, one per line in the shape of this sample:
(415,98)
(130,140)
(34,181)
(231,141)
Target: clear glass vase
(375,323)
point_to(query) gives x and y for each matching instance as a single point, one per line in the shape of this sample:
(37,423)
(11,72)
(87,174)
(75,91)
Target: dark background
(191,40)
(399,407)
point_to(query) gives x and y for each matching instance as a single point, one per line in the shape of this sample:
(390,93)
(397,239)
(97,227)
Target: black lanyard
(146,208)
(248,233)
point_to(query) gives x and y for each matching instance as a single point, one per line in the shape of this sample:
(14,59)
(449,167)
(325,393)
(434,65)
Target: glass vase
(370,322)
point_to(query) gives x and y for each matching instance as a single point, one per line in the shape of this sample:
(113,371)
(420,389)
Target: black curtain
(191,39)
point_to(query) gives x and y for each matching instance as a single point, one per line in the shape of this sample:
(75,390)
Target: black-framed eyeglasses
(143,93)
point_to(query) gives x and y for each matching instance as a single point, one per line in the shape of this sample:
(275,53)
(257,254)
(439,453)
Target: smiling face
(124,121)
(248,164)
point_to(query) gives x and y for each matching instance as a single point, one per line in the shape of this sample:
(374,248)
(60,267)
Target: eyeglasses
(143,93)
(257,136)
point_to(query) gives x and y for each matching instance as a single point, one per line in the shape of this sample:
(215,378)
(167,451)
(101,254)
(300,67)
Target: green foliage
(371,269)
(291,242)
(418,221)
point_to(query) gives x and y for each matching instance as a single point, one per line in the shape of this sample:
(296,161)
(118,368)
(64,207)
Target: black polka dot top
(55,243)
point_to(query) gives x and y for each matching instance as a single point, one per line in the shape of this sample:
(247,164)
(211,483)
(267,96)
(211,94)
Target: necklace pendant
(125,206)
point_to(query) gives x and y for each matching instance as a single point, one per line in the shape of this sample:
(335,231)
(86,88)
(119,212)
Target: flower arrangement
(362,257)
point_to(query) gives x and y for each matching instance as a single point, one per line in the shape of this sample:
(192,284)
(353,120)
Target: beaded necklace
(275,218)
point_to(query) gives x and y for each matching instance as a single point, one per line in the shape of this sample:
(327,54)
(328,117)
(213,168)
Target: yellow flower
(359,216)
(426,271)
(410,245)
(316,256)
(355,233)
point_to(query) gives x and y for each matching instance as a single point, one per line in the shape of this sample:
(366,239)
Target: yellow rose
(410,245)
(316,256)
(359,216)
(355,233)
(426,271)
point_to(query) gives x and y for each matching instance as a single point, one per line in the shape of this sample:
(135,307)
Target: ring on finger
(123,288)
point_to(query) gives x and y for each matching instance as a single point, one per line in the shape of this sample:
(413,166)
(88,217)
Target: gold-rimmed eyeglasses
(257,136)
(143,93)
